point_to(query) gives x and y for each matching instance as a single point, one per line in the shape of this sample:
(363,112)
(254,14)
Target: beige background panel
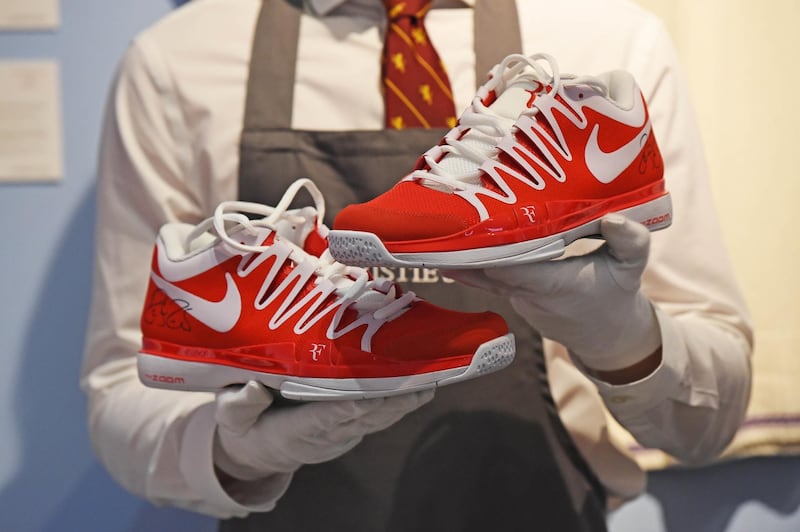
(739,59)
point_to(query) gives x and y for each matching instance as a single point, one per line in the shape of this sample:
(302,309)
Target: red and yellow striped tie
(416,87)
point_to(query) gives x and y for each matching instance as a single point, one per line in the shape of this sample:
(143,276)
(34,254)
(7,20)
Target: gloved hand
(255,440)
(591,304)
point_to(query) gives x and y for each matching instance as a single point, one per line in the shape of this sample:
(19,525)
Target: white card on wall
(30,121)
(29,14)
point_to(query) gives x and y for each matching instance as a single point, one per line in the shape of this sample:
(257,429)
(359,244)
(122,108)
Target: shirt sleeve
(155,443)
(692,405)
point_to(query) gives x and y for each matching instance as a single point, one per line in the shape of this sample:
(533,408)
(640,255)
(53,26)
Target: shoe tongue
(299,226)
(516,98)
(508,106)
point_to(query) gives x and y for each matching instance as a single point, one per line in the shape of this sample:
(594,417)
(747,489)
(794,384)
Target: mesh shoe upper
(409,212)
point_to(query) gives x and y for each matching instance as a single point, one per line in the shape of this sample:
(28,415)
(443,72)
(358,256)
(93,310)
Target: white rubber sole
(360,248)
(174,374)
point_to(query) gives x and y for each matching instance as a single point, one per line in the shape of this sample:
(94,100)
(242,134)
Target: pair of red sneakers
(534,163)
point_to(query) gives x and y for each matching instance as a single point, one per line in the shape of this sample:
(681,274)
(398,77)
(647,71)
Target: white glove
(255,441)
(591,304)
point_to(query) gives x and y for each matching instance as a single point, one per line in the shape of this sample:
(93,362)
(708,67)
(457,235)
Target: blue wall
(49,479)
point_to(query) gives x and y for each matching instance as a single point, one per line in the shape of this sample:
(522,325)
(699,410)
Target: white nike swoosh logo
(606,166)
(219,315)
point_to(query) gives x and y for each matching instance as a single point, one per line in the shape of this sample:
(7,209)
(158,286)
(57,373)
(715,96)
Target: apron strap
(496,34)
(273,65)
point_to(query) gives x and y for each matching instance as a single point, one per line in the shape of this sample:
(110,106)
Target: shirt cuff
(238,497)
(669,381)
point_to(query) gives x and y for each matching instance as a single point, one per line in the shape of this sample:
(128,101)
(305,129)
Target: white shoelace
(352,284)
(455,165)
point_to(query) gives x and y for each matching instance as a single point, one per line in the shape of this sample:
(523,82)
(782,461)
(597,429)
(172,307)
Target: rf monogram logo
(316,351)
(529,212)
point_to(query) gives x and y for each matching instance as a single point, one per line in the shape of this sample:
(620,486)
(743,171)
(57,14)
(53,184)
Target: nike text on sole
(177,374)
(366,249)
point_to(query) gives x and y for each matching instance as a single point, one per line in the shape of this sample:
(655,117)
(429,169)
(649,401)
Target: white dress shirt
(170,152)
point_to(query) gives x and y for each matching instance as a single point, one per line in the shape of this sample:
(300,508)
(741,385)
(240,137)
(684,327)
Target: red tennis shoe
(235,299)
(534,163)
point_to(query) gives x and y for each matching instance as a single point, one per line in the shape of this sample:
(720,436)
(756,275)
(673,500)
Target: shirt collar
(323,7)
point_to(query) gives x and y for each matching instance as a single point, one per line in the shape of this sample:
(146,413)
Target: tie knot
(407,8)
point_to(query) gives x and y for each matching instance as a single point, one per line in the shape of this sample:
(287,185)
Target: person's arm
(667,341)
(692,405)
(140,433)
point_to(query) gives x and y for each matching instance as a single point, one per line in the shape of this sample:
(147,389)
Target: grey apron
(488,454)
